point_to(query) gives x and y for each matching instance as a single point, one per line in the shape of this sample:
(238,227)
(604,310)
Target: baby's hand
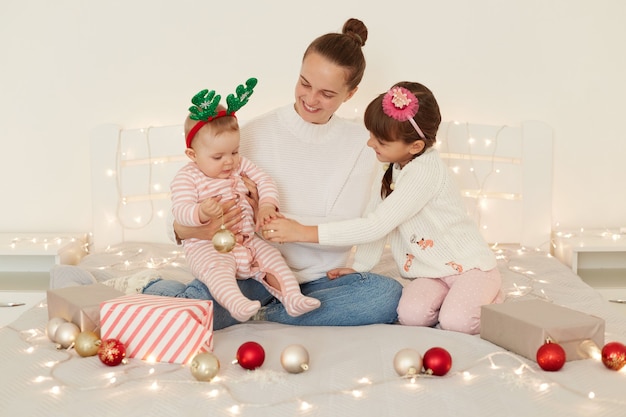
(339,272)
(210,209)
(266,214)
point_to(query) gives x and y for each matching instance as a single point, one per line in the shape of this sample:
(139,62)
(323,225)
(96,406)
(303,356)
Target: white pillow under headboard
(505,174)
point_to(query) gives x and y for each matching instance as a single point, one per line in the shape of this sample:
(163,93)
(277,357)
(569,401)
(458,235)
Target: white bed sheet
(351,368)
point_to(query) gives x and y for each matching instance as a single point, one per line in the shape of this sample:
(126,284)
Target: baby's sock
(242,308)
(226,292)
(293,300)
(297,304)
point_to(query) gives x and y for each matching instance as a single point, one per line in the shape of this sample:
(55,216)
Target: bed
(504,173)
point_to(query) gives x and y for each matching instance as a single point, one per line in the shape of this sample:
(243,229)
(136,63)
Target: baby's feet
(298,304)
(242,310)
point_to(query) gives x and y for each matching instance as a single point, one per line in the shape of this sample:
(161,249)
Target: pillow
(131,258)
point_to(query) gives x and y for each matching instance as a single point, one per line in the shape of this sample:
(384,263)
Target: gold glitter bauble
(87,343)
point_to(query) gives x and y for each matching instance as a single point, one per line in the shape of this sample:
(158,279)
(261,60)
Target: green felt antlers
(206,102)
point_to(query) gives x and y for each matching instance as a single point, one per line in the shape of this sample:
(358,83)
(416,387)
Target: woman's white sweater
(323,173)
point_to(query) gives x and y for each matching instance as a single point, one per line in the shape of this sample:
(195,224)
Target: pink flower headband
(400,104)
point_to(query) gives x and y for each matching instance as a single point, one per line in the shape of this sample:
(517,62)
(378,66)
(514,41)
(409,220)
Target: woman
(323,171)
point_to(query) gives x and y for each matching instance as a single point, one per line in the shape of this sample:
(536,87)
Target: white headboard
(131,170)
(505,174)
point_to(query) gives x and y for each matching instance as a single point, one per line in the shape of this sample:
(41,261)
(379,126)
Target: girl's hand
(283,230)
(339,272)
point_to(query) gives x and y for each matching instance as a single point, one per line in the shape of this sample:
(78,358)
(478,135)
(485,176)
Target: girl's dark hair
(388,129)
(344,49)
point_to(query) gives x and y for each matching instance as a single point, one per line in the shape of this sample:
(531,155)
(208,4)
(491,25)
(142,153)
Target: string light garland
(137,257)
(47,242)
(604,233)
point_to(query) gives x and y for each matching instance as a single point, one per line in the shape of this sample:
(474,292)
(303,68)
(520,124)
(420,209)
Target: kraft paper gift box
(159,329)
(523,326)
(80,304)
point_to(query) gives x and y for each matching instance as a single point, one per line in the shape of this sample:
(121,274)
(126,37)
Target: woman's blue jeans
(351,300)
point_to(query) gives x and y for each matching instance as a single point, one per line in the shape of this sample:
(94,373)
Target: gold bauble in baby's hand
(224,240)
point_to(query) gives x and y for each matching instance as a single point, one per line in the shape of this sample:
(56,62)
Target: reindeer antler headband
(205,104)
(401,104)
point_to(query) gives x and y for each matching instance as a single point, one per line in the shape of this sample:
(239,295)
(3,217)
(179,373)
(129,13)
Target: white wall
(70,65)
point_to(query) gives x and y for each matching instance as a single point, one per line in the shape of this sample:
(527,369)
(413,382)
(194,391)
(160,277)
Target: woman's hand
(232,217)
(283,230)
(253,193)
(339,272)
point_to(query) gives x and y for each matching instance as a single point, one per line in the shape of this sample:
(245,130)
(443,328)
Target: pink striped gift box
(159,329)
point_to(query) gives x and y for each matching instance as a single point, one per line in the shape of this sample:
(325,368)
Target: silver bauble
(295,359)
(204,366)
(53,324)
(224,240)
(66,334)
(408,362)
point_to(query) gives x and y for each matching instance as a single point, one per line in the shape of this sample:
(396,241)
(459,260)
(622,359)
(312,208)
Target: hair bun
(355,29)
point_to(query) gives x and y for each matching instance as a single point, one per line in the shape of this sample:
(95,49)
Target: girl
(418,209)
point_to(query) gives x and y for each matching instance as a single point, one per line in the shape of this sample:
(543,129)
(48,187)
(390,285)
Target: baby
(213,176)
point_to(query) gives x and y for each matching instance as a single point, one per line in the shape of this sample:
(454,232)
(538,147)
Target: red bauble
(112,352)
(250,355)
(614,355)
(551,356)
(437,361)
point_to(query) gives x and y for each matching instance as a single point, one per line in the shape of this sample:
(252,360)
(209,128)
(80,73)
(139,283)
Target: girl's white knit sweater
(425,220)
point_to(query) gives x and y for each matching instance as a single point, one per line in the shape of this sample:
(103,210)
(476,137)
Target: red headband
(201,123)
